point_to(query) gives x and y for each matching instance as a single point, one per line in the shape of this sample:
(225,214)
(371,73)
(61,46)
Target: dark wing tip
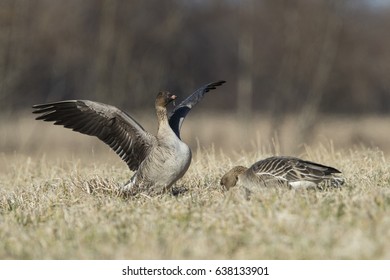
(214,85)
(327,170)
(333,170)
(45,105)
(39,107)
(42,108)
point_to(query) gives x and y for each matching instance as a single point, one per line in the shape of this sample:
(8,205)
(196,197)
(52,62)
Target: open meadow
(55,199)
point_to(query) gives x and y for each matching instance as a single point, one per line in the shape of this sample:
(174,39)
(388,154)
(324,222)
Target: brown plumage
(291,171)
(159,161)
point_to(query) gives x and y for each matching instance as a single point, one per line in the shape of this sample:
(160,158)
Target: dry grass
(47,210)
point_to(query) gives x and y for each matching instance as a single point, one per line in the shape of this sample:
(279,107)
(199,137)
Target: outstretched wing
(178,114)
(292,169)
(111,125)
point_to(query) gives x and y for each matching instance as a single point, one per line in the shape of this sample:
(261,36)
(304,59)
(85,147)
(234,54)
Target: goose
(282,170)
(158,160)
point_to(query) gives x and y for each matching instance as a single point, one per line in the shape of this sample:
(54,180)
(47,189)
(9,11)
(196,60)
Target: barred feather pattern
(293,169)
(290,171)
(114,127)
(159,161)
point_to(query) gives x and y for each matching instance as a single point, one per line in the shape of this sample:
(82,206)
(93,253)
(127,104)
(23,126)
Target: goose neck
(162,117)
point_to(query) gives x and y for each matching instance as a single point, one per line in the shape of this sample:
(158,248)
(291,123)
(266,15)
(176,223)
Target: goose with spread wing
(158,160)
(290,171)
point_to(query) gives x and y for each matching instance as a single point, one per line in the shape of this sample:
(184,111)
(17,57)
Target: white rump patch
(302,184)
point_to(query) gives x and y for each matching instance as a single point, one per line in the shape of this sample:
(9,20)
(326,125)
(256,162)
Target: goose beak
(173,97)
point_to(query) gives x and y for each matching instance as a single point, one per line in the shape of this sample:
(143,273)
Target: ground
(56,203)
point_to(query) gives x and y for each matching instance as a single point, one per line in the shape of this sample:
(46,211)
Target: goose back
(292,169)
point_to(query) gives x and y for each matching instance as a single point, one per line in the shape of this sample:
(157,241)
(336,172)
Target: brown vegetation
(307,78)
(56,202)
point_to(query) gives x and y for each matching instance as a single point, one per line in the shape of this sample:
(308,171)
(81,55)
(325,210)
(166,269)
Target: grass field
(48,212)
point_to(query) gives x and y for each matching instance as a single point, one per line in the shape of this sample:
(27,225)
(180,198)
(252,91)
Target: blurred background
(298,72)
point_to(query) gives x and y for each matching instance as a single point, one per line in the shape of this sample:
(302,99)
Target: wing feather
(292,169)
(178,114)
(111,125)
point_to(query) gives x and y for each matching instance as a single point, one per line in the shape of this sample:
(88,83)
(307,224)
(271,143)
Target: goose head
(230,179)
(164,98)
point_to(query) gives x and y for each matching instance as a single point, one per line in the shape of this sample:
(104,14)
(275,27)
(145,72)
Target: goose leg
(129,188)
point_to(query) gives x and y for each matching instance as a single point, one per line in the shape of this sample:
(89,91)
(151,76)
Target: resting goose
(274,171)
(158,161)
